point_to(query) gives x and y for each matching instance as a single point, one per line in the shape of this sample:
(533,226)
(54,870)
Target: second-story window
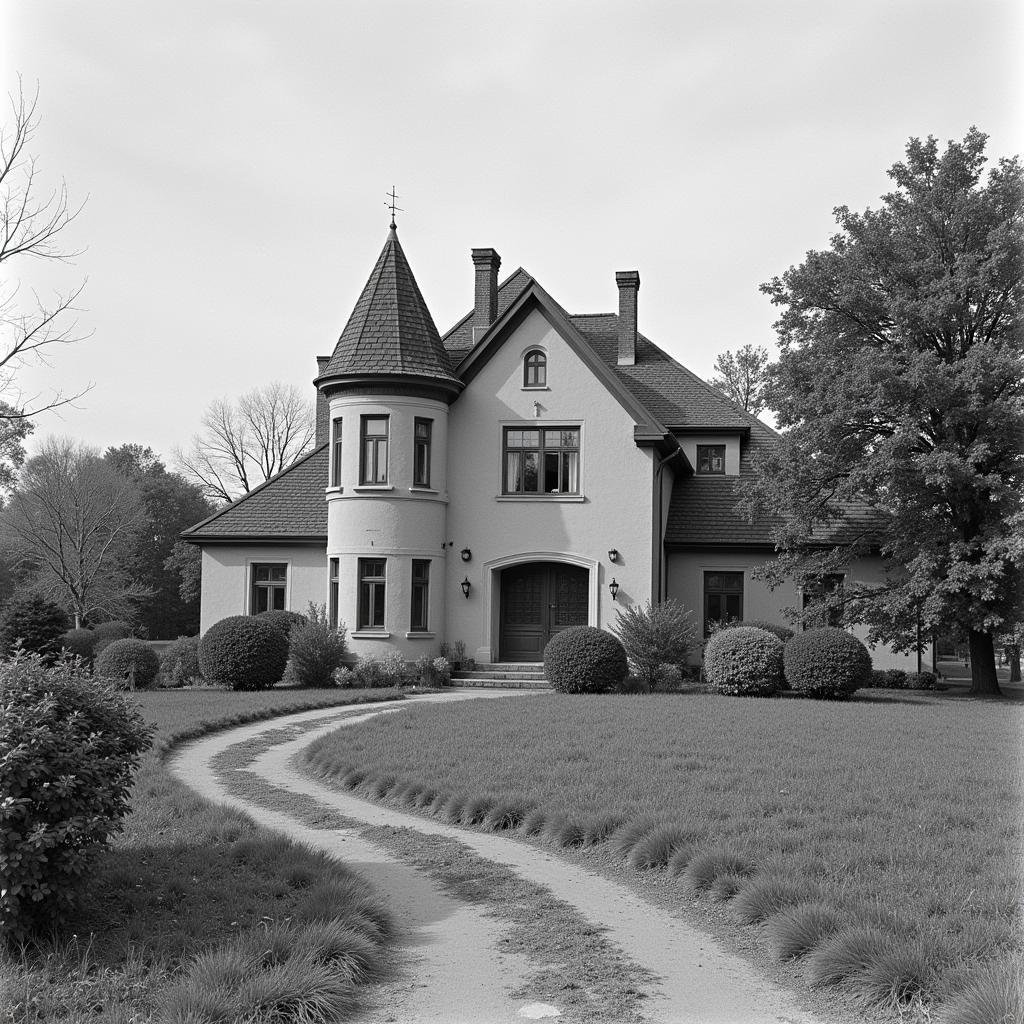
(711,459)
(421,452)
(542,461)
(336,453)
(373,468)
(535,370)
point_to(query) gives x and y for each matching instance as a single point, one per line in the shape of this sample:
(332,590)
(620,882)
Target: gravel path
(458,972)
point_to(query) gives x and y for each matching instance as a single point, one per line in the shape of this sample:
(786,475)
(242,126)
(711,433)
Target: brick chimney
(323,409)
(486,262)
(629,284)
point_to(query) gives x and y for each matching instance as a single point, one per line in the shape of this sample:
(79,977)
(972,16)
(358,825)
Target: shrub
(386,670)
(131,664)
(922,681)
(283,621)
(36,623)
(108,632)
(79,643)
(68,747)
(878,680)
(784,633)
(585,659)
(433,671)
(744,661)
(897,678)
(828,663)
(317,649)
(180,663)
(243,652)
(654,635)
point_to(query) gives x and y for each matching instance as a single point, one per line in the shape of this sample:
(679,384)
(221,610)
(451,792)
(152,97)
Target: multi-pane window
(418,621)
(269,583)
(421,452)
(535,370)
(373,468)
(822,601)
(541,461)
(371,593)
(332,603)
(711,458)
(723,598)
(336,453)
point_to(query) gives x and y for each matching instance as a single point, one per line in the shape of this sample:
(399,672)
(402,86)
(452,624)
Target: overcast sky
(235,158)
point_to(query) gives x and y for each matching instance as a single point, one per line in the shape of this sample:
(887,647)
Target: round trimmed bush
(828,663)
(243,652)
(744,661)
(284,621)
(108,632)
(130,663)
(180,662)
(37,624)
(585,659)
(80,643)
(784,633)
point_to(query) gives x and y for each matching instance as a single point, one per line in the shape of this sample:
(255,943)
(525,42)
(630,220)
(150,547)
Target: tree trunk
(984,682)
(1015,663)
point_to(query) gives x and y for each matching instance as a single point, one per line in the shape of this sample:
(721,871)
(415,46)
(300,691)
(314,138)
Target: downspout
(661,580)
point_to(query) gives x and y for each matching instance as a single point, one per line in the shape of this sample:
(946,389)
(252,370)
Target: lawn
(878,839)
(195,913)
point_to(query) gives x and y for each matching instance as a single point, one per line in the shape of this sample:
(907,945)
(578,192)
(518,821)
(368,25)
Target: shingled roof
(390,330)
(288,507)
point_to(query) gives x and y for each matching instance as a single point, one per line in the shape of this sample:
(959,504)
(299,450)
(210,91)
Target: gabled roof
(288,507)
(390,330)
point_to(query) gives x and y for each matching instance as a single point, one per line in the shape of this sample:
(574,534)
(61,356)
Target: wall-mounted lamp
(613,588)
(465,586)
(613,554)
(466,554)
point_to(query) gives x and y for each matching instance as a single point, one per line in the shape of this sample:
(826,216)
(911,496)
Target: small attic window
(711,459)
(535,370)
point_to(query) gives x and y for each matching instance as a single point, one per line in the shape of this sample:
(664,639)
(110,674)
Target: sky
(233,159)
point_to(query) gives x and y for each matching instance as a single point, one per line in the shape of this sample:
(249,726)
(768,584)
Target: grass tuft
(449,809)
(348,901)
(533,822)
(725,887)
(762,897)
(598,829)
(898,974)
(475,810)
(655,849)
(795,931)
(627,835)
(569,835)
(701,872)
(845,954)
(993,995)
(504,816)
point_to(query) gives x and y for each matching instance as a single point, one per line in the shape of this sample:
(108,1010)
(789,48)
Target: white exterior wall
(689,442)
(615,509)
(227,578)
(686,585)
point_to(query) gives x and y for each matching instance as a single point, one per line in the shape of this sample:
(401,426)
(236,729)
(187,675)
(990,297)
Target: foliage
(68,747)
(132,664)
(179,665)
(743,376)
(244,443)
(37,623)
(243,652)
(317,650)
(654,635)
(107,632)
(585,659)
(900,393)
(79,643)
(744,661)
(374,672)
(826,662)
(922,681)
(454,652)
(433,671)
(782,632)
(186,563)
(283,621)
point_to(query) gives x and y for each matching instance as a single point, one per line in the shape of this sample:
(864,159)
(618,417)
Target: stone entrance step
(509,675)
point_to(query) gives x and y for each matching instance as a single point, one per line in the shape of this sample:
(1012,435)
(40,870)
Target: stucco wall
(686,585)
(615,510)
(226,577)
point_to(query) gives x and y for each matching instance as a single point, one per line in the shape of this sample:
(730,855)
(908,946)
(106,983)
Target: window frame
(336,451)
(722,592)
(709,448)
(536,360)
(424,444)
(334,579)
(542,449)
(370,585)
(370,476)
(270,586)
(420,588)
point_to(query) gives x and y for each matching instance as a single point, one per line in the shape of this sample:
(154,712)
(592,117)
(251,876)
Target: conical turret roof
(390,331)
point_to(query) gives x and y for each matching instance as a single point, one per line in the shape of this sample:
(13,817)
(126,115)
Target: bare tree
(72,519)
(32,219)
(244,443)
(742,376)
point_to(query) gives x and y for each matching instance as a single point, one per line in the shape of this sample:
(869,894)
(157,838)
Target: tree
(742,377)
(170,504)
(32,220)
(900,393)
(242,444)
(74,519)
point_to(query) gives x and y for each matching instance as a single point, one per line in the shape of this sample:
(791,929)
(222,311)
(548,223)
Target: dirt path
(458,971)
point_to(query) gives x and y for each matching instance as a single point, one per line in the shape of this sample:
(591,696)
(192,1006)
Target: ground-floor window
(723,598)
(332,600)
(269,584)
(420,595)
(372,581)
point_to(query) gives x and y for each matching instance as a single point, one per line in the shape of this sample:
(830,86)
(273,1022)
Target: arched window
(535,370)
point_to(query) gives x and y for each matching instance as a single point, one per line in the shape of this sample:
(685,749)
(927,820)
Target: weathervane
(393,197)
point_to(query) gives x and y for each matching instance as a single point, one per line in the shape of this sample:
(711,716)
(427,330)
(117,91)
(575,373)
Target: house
(532,469)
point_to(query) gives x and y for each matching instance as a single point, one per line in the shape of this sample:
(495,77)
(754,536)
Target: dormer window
(535,370)
(711,459)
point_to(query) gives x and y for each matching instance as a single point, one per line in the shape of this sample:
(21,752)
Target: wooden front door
(537,600)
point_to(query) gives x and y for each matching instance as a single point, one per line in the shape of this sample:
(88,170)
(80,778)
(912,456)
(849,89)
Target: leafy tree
(901,396)
(186,562)
(170,504)
(743,376)
(244,443)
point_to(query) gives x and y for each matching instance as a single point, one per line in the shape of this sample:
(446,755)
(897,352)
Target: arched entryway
(537,599)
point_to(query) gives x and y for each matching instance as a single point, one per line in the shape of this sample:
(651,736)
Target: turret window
(535,370)
(372,581)
(373,467)
(421,452)
(336,453)
(419,619)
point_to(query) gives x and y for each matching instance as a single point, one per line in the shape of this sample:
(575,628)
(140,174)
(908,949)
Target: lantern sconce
(613,587)
(613,554)
(466,554)
(465,587)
